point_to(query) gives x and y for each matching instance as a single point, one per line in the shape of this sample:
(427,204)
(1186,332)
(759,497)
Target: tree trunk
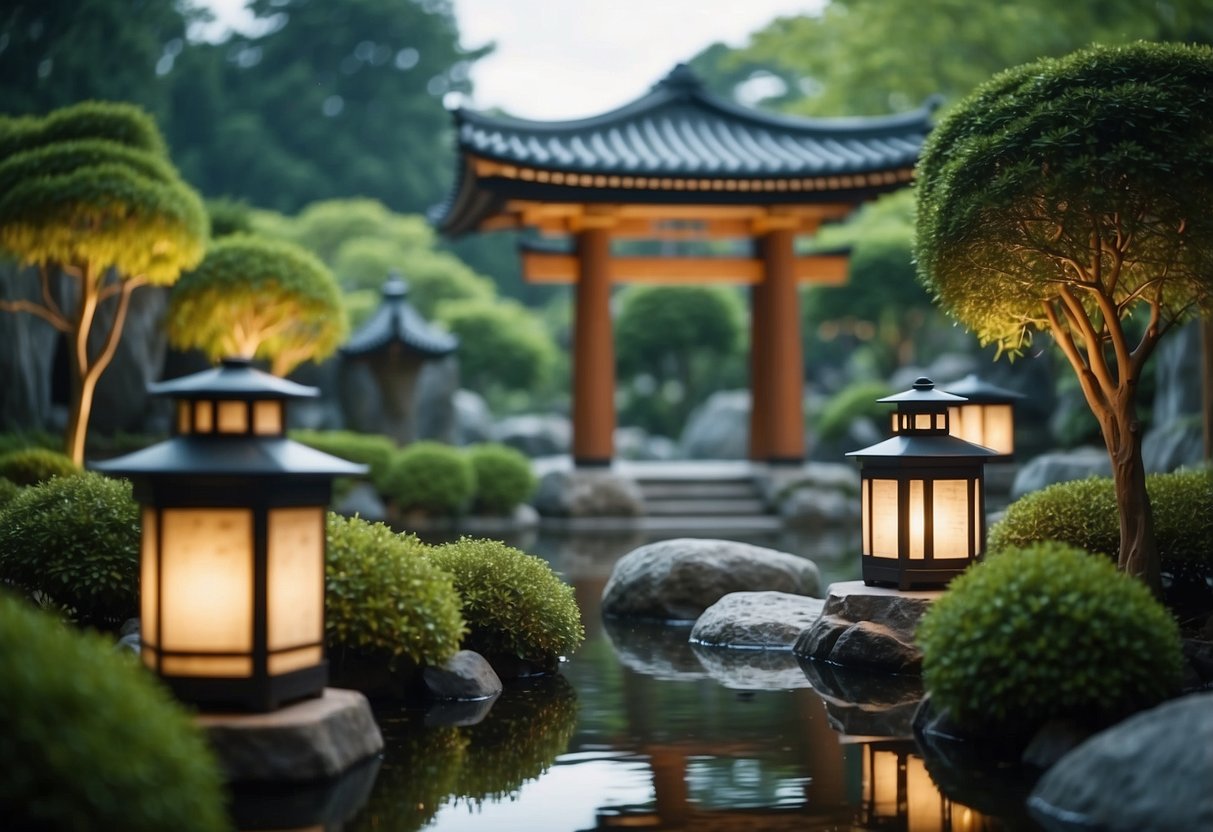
(1138,547)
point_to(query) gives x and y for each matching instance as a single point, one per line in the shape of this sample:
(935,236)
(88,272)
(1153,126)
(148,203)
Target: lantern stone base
(867,627)
(314,739)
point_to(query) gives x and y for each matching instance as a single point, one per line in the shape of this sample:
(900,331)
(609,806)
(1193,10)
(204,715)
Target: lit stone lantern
(987,417)
(922,495)
(898,792)
(232,567)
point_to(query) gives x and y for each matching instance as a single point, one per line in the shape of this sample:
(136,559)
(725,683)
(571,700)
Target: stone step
(687,507)
(668,489)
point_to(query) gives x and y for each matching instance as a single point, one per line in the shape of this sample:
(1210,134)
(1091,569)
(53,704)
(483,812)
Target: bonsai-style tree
(88,197)
(258,298)
(1073,196)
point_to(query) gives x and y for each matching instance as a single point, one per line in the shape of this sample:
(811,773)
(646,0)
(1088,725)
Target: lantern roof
(223,456)
(396,321)
(234,378)
(678,143)
(982,392)
(913,446)
(923,392)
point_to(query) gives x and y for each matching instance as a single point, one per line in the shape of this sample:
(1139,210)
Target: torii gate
(680,163)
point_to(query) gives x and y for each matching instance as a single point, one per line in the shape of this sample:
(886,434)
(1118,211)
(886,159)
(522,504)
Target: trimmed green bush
(383,598)
(29,439)
(1047,631)
(1083,513)
(90,741)
(73,543)
(431,477)
(370,449)
(8,490)
(857,401)
(30,466)
(504,479)
(514,604)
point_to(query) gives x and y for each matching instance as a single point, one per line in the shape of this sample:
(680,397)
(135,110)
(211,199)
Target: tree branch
(57,321)
(1093,393)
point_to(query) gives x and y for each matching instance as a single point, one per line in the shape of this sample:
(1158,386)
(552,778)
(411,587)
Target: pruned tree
(258,298)
(89,197)
(1070,196)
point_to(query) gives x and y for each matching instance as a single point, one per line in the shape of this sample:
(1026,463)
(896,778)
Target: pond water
(642,730)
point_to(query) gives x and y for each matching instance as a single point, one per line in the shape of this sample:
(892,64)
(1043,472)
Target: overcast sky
(558,59)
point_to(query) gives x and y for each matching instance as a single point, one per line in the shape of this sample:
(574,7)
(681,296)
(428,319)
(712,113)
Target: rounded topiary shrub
(8,490)
(504,479)
(383,598)
(514,604)
(30,466)
(1083,513)
(858,401)
(1042,632)
(430,477)
(372,449)
(90,740)
(73,543)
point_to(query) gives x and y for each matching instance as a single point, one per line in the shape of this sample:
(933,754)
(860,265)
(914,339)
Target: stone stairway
(703,500)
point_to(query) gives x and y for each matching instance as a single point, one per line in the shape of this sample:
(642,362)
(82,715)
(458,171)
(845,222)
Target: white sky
(558,59)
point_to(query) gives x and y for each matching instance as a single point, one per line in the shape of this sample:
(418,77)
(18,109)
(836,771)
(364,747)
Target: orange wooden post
(593,352)
(760,380)
(782,350)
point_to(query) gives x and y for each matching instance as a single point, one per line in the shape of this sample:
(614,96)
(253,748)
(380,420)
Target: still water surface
(642,730)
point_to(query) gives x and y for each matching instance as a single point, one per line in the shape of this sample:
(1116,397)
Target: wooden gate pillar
(593,352)
(781,351)
(760,381)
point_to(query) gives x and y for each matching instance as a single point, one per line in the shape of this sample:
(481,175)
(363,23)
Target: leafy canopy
(1067,180)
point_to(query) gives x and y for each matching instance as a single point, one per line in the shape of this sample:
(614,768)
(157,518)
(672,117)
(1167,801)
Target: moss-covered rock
(1083,513)
(430,477)
(30,466)
(90,741)
(514,604)
(504,479)
(1043,632)
(73,543)
(383,599)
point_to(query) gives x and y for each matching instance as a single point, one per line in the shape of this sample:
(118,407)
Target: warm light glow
(279,663)
(951,518)
(295,575)
(206,586)
(880,776)
(917,516)
(183,418)
(881,516)
(267,418)
(204,416)
(147,587)
(233,417)
(207,666)
(989,425)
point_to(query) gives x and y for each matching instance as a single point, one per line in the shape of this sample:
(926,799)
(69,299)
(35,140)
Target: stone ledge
(314,739)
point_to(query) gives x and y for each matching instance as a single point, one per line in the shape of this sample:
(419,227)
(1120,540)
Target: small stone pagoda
(384,358)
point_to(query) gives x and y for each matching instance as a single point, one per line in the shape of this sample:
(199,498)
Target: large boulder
(678,579)
(1176,364)
(1150,772)
(434,399)
(756,620)
(536,434)
(752,669)
(719,428)
(1060,466)
(467,675)
(1173,445)
(586,492)
(867,627)
(865,704)
(473,419)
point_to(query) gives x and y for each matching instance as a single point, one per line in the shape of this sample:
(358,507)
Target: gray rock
(659,651)
(27,351)
(867,627)
(678,579)
(756,620)
(636,443)
(129,643)
(536,434)
(1173,445)
(587,493)
(865,704)
(1176,365)
(473,419)
(323,412)
(465,676)
(459,714)
(1054,740)
(1150,772)
(752,669)
(1060,466)
(309,740)
(719,428)
(811,507)
(434,399)
(363,501)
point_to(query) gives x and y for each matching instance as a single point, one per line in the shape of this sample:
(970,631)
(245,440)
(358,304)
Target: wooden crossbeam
(818,269)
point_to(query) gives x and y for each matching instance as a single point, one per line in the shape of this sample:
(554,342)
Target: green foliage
(857,401)
(91,741)
(502,344)
(417,776)
(504,479)
(1046,632)
(34,465)
(1052,188)
(72,543)
(8,490)
(514,604)
(20,440)
(370,449)
(430,477)
(258,298)
(1083,513)
(228,217)
(383,598)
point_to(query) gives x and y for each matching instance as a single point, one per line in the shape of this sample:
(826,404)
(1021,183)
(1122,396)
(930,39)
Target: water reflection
(644,730)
